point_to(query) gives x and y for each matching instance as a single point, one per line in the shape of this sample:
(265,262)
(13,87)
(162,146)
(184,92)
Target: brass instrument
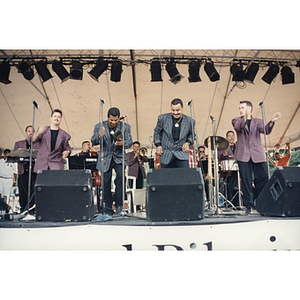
(143,151)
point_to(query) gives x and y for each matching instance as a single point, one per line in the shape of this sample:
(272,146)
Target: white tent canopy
(142,100)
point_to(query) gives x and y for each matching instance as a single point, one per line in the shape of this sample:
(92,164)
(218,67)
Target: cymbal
(221,143)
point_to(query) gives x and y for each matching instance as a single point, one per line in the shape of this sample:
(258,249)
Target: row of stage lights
(76,71)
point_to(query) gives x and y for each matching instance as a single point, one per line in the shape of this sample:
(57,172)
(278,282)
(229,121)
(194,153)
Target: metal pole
(261,104)
(101,153)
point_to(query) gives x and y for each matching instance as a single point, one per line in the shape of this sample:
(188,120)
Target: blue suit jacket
(110,150)
(163,135)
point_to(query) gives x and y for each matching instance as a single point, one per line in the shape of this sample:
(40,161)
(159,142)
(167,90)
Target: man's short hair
(56,110)
(229,132)
(113,111)
(85,142)
(136,142)
(6,150)
(248,103)
(27,127)
(201,147)
(177,101)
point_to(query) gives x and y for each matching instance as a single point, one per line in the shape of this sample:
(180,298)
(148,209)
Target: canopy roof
(142,100)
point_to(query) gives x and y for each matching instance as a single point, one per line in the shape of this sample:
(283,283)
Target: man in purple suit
(23,170)
(53,144)
(249,152)
(135,163)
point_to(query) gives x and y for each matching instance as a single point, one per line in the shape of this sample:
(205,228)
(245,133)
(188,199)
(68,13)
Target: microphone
(103,101)
(123,117)
(212,118)
(189,103)
(35,104)
(260,103)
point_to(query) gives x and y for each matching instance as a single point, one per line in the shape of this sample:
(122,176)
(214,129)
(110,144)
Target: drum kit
(225,167)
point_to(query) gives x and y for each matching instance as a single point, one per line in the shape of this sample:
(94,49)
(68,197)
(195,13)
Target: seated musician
(229,175)
(87,150)
(202,161)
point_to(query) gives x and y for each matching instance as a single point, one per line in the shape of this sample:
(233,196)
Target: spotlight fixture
(98,69)
(271,73)
(287,75)
(194,67)
(251,72)
(175,77)
(76,70)
(25,68)
(4,72)
(60,70)
(43,71)
(155,70)
(238,74)
(116,70)
(211,72)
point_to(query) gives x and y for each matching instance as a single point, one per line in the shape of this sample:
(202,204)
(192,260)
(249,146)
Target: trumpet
(143,151)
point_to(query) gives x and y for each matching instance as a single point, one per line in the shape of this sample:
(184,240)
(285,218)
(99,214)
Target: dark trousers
(260,172)
(23,189)
(176,163)
(107,197)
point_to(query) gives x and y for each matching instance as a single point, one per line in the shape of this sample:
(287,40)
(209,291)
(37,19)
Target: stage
(228,230)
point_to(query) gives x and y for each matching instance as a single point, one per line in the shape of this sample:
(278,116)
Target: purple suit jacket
(22,144)
(248,140)
(134,165)
(228,156)
(52,160)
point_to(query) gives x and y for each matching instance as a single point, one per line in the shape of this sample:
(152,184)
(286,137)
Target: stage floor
(228,230)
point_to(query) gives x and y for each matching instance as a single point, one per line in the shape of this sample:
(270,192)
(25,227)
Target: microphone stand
(30,158)
(123,162)
(193,131)
(101,154)
(216,166)
(261,104)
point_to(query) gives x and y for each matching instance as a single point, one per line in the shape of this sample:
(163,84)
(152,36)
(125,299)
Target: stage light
(287,75)
(98,69)
(60,70)
(238,74)
(4,72)
(211,72)
(175,77)
(271,73)
(25,68)
(76,70)
(194,67)
(155,70)
(43,71)
(116,70)
(251,72)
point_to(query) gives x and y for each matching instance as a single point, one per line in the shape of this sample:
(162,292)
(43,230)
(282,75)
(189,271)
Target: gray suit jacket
(110,150)
(163,135)
(248,140)
(47,159)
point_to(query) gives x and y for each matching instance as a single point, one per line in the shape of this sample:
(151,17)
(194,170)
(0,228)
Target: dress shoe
(249,211)
(118,210)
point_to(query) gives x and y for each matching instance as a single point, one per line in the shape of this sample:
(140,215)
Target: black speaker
(64,195)
(174,195)
(281,195)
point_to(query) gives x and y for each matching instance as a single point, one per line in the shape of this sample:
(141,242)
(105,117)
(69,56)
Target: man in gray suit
(53,144)
(249,152)
(173,135)
(112,156)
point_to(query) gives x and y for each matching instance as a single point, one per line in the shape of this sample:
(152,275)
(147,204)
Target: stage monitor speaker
(64,195)
(281,195)
(174,195)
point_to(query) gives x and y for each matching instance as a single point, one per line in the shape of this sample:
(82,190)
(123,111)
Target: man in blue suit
(112,156)
(173,136)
